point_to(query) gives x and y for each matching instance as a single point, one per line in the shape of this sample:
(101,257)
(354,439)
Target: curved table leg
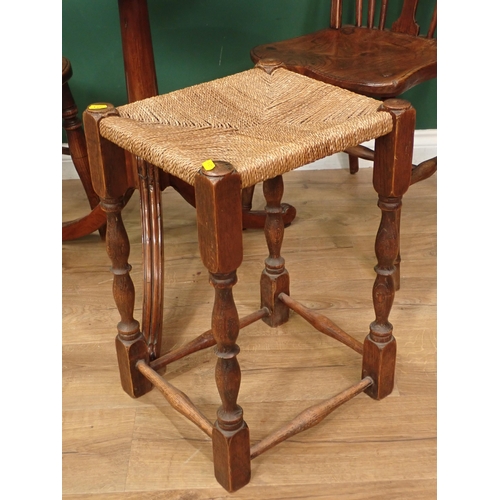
(77,149)
(77,228)
(152,255)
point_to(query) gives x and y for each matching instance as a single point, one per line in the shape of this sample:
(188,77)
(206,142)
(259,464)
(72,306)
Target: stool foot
(270,288)
(275,278)
(232,457)
(379,363)
(129,352)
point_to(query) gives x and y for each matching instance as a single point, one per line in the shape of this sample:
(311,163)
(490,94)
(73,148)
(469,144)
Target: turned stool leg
(391,178)
(130,343)
(275,278)
(397,261)
(107,163)
(218,209)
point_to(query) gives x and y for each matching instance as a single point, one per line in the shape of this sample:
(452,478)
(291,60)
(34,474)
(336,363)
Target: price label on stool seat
(208,165)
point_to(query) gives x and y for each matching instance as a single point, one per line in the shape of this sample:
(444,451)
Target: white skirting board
(425,147)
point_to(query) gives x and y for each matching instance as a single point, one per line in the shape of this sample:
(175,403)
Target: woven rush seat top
(263,123)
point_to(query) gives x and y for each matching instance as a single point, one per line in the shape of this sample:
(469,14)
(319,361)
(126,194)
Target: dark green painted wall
(196,41)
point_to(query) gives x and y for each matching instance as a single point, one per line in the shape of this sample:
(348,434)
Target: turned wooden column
(77,148)
(274,278)
(109,177)
(76,138)
(391,178)
(218,210)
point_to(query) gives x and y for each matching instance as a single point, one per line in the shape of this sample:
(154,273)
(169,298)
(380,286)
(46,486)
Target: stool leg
(130,343)
(275,278)
(397,262)
(218,209)
(109,177)
(391,178)
(231,438)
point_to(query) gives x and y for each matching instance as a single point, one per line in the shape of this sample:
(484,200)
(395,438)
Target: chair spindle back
(404,24)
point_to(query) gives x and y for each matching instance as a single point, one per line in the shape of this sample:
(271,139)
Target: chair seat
(377,63)
(265,121)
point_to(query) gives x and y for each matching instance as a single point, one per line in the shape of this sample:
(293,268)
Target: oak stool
(220,137)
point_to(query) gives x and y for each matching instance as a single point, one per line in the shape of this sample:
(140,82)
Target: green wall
(196,41)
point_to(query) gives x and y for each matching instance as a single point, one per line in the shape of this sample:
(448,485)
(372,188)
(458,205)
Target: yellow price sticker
(97,106)
(208,165)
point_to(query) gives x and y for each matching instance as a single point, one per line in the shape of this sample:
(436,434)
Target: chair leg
(218,209)
(353,164)
(391,178)
(247,198)
(274,278)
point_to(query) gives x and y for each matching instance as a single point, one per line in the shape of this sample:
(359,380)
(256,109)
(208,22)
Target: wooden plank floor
(118,448)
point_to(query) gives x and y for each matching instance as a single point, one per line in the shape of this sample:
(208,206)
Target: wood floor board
(96,449)
(169,451)
(353,490)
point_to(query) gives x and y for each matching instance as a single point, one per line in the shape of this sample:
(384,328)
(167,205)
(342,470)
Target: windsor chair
(365,57)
